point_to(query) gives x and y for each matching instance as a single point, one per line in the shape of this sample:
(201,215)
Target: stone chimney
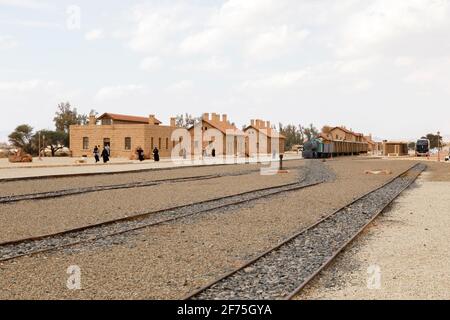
(268,124)
(224,118)
(205,116)
(252,122)
(215,117)
(151,119)
(173,122)
(92,120)
(262,124)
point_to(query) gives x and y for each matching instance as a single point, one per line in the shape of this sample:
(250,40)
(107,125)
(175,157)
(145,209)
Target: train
(317,148)
(423,147)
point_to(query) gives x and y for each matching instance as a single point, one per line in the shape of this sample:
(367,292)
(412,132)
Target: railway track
(137,184)
(105,232)
(284,270)
(90,174)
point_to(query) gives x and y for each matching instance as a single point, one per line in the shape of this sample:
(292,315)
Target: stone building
(216,132)
(395,148)
(124,134)
(374,147)
(341,134)
(261,138)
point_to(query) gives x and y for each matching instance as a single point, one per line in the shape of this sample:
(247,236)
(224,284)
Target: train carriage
(318,148)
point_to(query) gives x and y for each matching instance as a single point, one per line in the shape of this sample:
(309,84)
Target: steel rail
(291,238)
(291,187)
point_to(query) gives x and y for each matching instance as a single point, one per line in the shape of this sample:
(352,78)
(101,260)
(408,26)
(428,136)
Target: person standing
(97,154)
(105,155)
(213,153)
(108,149)
(156,154)
(140,153)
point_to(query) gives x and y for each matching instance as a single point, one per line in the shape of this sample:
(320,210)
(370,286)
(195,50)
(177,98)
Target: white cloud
(27,85)
(151,64)
(94,34)
(274,42)
(277,81)
(119,92)
(210,40)
(432,71)
(386,20)
(27,4)
(404,61)
(356,86)
(211,64)
(184,86)
(356,65)
(8,42)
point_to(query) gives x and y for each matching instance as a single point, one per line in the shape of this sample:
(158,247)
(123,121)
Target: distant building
(342,134)
(261,138)
(374,147)
(395,148)
(124,134)
(214,132)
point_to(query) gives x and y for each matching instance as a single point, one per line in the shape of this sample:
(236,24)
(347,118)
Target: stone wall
(140,134)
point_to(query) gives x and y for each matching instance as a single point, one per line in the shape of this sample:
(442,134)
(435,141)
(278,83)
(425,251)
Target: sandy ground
(168,261)
(404,254)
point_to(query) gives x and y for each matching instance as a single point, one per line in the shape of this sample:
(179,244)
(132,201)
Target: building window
(85,143)
(152,143)
(159,144)
(167,143)
(106,122)
(127,143)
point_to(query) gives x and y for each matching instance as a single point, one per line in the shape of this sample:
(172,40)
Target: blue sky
(380,67)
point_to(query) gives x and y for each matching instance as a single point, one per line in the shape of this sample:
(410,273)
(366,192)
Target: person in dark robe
(96,154)
(105,155)
(140,153)
(156,154)
(213,152)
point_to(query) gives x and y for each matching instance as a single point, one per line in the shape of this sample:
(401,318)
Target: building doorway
(106,142)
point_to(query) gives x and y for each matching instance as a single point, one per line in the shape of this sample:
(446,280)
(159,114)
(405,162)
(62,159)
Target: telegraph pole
(39,150)
(439,145)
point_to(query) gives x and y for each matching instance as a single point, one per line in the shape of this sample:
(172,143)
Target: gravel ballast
(404,254)
(277,274)
(39,217)
(61,183)
(170,260)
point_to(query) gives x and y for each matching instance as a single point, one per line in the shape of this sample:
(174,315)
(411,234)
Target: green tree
(65,116)
(310,132)
(21,138)
(186,120)
(294,135)
(435,140)
(56,140)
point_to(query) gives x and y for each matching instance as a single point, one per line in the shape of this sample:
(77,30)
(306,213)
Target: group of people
(141,156)
(106,154)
